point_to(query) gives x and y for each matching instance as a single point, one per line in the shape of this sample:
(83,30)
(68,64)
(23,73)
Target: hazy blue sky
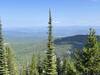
(30,13)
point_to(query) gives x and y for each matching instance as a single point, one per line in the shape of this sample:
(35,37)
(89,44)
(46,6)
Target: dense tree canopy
(88,59)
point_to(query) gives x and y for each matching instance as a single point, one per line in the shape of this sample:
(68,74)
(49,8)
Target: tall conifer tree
(3,59)
(33,69)
(59,66)
(51,67)
(68,67)
(12,65)
(23,70)
(40,65)
(88,61)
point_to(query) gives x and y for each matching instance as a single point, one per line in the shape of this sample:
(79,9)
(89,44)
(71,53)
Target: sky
(34,13)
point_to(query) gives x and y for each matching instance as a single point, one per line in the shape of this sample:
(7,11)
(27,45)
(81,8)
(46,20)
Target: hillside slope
(76,42)
(25,47)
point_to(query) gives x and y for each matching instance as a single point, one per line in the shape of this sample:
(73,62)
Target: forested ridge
(84,61)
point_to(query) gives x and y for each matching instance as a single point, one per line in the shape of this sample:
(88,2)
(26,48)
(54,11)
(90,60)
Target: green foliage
(33,66)
(12,66)
(23,70)
(3,59)
(40,65)
(59,66)
(51,66)
(88,59)
(68,67)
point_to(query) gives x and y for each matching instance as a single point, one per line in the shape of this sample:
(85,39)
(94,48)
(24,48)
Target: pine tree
(33,69)
(40,65)
(51,67)
(59,66)
(44,66)
(68,67)
(3,60)
(88,60)
(12,66)
(23,70)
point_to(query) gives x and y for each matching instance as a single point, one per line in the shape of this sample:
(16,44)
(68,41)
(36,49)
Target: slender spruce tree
(51,67)
(3,59)
(68,67)
(33,68)
(59,66)
(44,64)
(11,62)
(64,67)
(40,65)
(88,60)
(23,70)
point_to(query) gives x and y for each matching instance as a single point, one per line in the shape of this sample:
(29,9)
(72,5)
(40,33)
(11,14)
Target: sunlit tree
(88,60)
(11,61)
(33,69)
(3,59)
(51,66)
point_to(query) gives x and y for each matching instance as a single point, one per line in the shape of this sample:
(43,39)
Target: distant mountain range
(77,41)
(27,41)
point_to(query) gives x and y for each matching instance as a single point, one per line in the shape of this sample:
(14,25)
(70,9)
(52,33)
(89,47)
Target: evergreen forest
(84,60)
